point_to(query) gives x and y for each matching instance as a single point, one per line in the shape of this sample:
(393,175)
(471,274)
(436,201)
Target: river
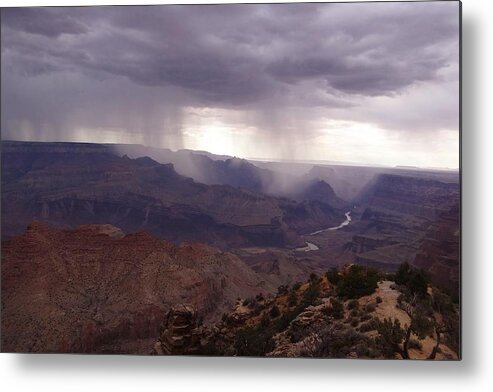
(345,223)
(309,246)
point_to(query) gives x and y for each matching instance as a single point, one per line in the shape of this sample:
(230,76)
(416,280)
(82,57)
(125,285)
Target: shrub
(390,336)
(370,325)
(251,302)
(283,322)
(333,276)
(253,341)
(354,322)
(371,307)
(336,308)
(274,312)
(265,320)
(414,343)
(353,304)
(357,282)
(283,289)
(311,294)
(296,286)
(365,316)
(354,313)
(292,299)
(416,281)
(378,300)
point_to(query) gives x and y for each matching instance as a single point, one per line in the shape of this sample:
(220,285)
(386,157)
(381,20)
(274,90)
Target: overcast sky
(373,83)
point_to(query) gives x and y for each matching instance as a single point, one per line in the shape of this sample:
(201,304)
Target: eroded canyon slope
(69,184)
(403,219)
(95,289)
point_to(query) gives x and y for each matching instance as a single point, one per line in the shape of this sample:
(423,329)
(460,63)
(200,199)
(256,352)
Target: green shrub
(311,294)
(333,276)
(357,282)
(371,307)
(253,342)
(416,281)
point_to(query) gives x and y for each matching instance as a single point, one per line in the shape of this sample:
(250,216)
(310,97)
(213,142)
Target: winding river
(309,246)
(345,223)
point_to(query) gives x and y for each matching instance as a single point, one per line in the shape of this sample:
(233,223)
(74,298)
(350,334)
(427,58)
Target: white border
(146,374)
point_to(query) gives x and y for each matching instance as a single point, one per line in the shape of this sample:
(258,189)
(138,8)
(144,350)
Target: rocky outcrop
(180,333)
(95,290)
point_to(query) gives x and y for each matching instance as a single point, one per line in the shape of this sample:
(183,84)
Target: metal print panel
(268,180)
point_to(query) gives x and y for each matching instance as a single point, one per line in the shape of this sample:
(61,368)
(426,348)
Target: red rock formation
(180,333)
(95,290)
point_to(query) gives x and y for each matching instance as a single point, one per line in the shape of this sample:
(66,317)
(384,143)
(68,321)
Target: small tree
(274,312)
(333,276)
(292,298)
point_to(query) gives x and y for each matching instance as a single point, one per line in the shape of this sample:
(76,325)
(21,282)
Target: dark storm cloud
(138,62)
(48,22)
(241,53)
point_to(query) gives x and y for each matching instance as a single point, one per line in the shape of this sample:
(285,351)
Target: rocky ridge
(95,289)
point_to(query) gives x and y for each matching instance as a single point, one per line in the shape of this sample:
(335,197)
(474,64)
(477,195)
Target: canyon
(103,246)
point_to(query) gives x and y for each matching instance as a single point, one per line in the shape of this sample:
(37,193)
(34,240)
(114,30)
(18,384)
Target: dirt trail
(387,308)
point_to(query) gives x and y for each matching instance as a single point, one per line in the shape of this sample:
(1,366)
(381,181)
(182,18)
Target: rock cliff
(95,289)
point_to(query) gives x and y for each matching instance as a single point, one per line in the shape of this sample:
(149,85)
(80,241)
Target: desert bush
(365,316)
(283,322)
(336,308)
(283,289)
(292,299)
(370,325)
(311,294)
(371,307)
(378,300)
(274,312)
(416,281)
(333,276)
(414,343)
(357,282)
(353,304)
(253,341)
(337,342)
(390,336)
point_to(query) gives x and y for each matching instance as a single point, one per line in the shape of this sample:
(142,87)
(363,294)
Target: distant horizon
(376,83)
(253,159)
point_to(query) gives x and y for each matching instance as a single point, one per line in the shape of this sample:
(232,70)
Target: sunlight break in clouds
(372,83)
